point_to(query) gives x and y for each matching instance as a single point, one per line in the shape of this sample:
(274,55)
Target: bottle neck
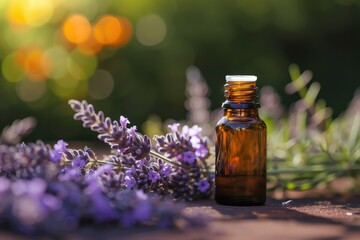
(241,95)
(241,112)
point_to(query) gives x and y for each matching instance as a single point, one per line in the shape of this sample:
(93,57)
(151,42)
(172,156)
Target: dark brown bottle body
(240,177)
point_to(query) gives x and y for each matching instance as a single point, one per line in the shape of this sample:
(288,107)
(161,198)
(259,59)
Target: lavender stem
(155,154)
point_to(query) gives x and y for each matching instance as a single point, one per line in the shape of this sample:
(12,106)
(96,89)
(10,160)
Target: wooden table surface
(320,218)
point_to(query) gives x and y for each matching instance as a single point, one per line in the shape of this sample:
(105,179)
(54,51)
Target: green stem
(313,169)
(155,154)
(102,161)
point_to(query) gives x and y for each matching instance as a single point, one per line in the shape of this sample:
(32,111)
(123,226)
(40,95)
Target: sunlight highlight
(76,29)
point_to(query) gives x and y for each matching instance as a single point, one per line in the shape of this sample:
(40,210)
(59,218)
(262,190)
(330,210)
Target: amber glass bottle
(240,145)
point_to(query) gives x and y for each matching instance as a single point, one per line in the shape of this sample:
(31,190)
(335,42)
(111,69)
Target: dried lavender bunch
(28,160)
(190,149)
(54,189)
(39,206)
(116,134)
(182,171)
(17,130)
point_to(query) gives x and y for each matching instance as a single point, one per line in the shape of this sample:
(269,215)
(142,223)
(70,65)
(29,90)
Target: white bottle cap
(241,78)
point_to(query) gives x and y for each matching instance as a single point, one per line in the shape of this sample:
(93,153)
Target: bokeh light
(37,65)
(64,87)
(107,29)
(29,61)
(11,70)
(38,12)
(81,66)
(112,30)
(76,28)
(58,56)
(101,84)
(90,45)
(126,33)
(80,49)
(16,12)
(150,30)
(30,12)
(30,91)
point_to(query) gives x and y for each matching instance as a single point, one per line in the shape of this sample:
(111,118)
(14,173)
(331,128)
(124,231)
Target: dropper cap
(240,78)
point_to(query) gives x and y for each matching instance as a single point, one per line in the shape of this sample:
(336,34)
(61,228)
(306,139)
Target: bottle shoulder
(240,122)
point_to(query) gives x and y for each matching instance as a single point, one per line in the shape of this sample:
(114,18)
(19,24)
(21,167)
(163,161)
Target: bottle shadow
(315,211)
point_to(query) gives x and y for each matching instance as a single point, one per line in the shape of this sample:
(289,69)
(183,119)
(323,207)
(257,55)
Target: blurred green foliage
(146,76)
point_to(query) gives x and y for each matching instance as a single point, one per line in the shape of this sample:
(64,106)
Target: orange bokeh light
(36,65)
(90,45)
(76,29)
(112,30)
(127,33)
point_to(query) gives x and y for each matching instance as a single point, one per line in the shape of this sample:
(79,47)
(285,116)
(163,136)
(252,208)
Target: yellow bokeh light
(76,29)
(16,12)
(30,12)
(39,12)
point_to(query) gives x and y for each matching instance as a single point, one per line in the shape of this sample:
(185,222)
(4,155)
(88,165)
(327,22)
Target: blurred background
(130,57)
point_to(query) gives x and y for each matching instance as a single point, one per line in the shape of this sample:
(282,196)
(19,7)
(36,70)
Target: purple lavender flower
(166,169)
(55,156)
(19,128)
(101,209)
(124,121)
(116,134)
(4,185)
(132,131)
(203,185)
(36,187)
(153,176)
(19,187)
(200,146)
(61,146)
(194,131)
(189,157)
(195,142)
(202,151)
(140,163)
(51,202)
(71,174)
(28,211)
(174,127)
(129,182)
(142,211)
(78,162)
(131,171)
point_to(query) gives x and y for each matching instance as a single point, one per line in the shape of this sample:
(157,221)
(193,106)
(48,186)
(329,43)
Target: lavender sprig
(126,140)
(17,130)
(116,134)
(185,151)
